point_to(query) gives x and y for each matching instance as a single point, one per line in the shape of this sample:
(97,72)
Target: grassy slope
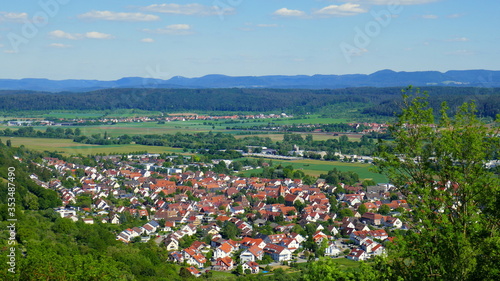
(69,147)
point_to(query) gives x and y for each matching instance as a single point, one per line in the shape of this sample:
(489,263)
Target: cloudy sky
(110,39)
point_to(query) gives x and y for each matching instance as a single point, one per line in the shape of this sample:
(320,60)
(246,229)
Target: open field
(317,167)
(191,126)
(68,147)
(137,128)
(222,275)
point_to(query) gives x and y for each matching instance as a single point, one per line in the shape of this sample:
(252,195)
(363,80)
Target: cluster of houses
(188,203)
(73,121)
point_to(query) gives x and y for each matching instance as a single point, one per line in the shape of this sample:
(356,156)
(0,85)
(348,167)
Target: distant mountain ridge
(383,78)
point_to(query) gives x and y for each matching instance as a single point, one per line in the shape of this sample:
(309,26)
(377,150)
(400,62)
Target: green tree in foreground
(440,168)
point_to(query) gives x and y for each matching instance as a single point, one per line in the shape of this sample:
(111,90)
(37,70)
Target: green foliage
(28,194)
(440,169)
(384,210)
(345,213)
(230,230)
(362,209)
(326,269)
(335,176)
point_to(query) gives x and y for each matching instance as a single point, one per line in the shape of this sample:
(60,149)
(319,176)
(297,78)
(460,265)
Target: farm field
(191,126)
(68,147)
(137,128)
(317,167)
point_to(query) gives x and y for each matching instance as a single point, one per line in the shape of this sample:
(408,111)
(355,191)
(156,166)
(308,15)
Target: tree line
(379,101)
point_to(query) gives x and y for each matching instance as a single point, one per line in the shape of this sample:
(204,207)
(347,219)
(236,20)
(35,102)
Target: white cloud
(1,45)
(284,12)
(147,40)
(10,51)
(13,17)
(347,9)
(430,17)
(98,35)
(174,29)
(64,35)
(76,36)
(189,9)
(458,39)
(115,16)
(393,2)
(59,46)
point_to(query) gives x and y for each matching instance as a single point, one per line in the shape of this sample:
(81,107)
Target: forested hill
(383,78)
(375,101)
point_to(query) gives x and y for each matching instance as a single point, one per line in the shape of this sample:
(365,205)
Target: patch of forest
(378,101)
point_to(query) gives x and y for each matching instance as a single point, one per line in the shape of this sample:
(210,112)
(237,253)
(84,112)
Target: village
(209,221)
(138,119)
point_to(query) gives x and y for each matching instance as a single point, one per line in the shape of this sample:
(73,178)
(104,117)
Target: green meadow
(317,167)
(68,147)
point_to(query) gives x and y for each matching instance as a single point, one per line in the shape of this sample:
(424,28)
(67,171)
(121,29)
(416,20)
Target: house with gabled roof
(252,266)
(252,254)
(176,257)
(224,250)
(378,250)
(371,218)
(274,238)
(332,249)
(319,236)
(225,263)
(195,272)
(248,242)
(393,222)
(278,253)
(360,236)
(290,243)
(171,244)
(194,258)
(200,246)
(357,255)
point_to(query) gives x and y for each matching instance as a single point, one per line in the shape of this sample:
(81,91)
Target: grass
(73,114)
(222,275)
(317,167)
(68,147)
(191,126)
(137,128)
(344,263)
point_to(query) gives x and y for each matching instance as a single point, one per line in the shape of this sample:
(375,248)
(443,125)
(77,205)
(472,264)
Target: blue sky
(110,39)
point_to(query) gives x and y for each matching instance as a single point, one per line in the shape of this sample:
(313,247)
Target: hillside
(370,101)
(383,78)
